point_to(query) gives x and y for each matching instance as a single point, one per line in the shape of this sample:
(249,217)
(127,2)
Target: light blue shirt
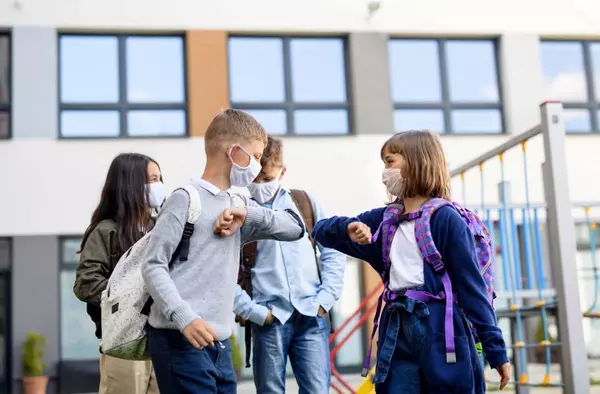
(285,276)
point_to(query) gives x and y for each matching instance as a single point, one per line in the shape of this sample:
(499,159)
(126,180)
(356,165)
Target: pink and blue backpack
(392,217)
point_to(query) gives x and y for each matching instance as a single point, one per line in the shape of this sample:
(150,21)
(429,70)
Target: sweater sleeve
(455,243)
(333,233)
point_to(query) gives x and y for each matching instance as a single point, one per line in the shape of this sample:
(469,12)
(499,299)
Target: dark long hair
(124,199)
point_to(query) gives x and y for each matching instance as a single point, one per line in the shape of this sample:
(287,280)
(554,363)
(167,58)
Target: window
(279,81)
(572,75)
(122,86)
(77,338)
(450,86)
(5,61)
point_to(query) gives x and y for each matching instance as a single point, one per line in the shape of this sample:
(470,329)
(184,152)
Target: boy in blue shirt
(291,295)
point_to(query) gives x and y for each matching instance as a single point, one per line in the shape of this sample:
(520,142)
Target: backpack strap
(247,262)
(305,206)
(432,256)
(194,209)
(423,233)
(183,249)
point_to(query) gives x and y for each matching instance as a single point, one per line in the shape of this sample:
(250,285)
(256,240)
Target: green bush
(33,355)
(236,353)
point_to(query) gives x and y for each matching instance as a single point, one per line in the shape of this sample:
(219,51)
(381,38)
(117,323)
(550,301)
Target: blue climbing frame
(535,253)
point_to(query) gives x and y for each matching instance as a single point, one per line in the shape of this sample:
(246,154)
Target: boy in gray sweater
(190,319)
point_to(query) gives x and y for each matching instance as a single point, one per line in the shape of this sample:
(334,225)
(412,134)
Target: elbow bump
(298,221)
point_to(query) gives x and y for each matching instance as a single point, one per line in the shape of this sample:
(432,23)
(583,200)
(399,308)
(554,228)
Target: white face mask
(156,194)
(263,192)
(243,176)
(393,181)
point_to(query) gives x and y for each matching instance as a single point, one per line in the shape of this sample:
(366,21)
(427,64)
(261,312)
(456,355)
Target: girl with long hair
(132,191)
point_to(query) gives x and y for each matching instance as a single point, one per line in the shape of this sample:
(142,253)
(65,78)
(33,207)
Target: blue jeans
(181,368)
(411,354)
(305,340)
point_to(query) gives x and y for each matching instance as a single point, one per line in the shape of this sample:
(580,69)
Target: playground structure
(537,278)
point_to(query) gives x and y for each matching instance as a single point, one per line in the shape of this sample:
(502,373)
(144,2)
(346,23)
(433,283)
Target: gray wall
(35,297)
(34,82)
(372,107)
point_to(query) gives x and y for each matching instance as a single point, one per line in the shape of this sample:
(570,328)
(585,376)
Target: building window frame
(446,104)
(592,105)
(288,104)
(6,106)
(123,106)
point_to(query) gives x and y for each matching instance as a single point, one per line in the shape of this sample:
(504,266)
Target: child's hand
(504,372)
(199,334)
(359,233)
(230,221)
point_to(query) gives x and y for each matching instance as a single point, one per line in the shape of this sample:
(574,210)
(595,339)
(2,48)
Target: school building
(81,81)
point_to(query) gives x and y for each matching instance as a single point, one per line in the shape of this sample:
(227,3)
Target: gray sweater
(203,287)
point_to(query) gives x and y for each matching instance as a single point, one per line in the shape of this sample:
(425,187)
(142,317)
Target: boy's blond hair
(426,173)
(273,153)
(232,126)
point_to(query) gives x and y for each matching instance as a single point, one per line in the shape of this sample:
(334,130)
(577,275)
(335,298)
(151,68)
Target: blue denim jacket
(285,276)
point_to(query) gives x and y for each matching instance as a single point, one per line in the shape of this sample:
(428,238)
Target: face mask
(263,192)
(393,181)
(243,176)
(156,194)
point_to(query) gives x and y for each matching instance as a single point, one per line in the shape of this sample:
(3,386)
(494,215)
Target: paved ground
(536,374)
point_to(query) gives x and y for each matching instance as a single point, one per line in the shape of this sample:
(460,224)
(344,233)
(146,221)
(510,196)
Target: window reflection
(595,55)
(89,69)
(156,123)
(321,121)
(450,86)
(4,125)
(4,69)
(415,71)
(106,78)
(256,70)
(472,74)
(273,120)
(564,71)
(77,338)
(277,78)
(417,119)
(155,69)
(321,81)
(90,124)
(477,121)
(577,120)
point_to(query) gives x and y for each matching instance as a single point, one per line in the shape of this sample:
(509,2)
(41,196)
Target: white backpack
(126,302)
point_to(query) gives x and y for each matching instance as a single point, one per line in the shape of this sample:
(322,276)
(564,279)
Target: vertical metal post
(561,236)
(504,191)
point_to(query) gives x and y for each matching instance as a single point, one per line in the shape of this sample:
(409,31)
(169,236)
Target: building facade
(81,82)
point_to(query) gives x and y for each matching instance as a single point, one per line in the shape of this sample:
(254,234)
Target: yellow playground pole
(367,386)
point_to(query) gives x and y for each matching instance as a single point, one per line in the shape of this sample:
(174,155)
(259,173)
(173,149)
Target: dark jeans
(182,369)
(411,355)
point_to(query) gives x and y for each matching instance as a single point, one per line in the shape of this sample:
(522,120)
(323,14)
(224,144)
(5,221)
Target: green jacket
(99,256)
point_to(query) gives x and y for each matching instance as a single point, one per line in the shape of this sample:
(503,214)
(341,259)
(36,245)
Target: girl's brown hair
(426,173)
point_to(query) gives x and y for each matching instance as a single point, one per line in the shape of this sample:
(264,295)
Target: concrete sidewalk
(536,374)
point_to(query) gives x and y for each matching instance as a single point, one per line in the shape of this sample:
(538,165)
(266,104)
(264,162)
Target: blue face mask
(243,176)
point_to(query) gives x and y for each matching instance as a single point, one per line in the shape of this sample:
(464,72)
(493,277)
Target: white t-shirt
(406,260)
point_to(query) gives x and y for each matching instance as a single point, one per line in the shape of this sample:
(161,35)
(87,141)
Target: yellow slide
(367,386)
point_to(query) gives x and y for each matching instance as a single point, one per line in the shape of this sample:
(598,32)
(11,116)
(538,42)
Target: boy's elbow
(296,229)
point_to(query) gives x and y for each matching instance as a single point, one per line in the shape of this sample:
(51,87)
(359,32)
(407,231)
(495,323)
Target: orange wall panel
(207,77)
